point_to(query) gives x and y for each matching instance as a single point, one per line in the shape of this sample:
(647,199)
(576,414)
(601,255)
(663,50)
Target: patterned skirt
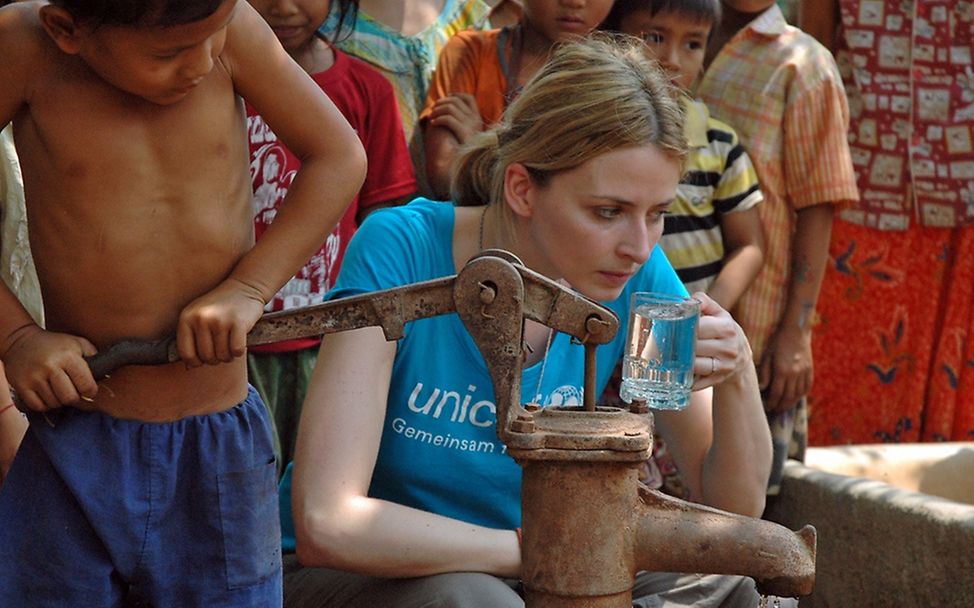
(894,347)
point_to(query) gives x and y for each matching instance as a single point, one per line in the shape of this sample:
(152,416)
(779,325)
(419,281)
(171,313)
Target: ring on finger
(713,366)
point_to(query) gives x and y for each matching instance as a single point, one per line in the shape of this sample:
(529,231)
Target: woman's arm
(721,442)
(337,524)
(744,255)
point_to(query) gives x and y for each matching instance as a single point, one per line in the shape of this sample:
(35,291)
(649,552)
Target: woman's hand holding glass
(722,349)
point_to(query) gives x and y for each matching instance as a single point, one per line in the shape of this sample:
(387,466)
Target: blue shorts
(98,511)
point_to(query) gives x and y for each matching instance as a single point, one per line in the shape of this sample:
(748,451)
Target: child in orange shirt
(480,72)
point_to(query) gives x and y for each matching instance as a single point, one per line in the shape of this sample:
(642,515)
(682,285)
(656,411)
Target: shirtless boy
(157,484)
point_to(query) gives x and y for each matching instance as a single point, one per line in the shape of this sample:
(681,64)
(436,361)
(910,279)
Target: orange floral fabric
(894,358)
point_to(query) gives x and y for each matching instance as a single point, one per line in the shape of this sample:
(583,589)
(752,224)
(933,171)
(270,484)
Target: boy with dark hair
(157,484)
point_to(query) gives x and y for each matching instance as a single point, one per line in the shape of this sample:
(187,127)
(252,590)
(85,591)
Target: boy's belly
(168,392)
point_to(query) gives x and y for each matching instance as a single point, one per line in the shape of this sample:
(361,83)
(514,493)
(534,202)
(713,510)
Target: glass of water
(658,362)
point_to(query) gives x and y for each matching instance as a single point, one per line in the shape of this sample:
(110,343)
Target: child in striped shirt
(713,234)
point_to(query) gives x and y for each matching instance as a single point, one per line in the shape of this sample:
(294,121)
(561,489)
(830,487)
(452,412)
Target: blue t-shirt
(439,450)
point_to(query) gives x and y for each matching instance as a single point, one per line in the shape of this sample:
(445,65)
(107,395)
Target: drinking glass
(658,363)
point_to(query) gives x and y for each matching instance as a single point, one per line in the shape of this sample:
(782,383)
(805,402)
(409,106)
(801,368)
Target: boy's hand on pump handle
(47,369)
(213,328)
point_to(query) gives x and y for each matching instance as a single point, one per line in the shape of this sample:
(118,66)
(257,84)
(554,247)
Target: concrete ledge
(939,469)
(879,545)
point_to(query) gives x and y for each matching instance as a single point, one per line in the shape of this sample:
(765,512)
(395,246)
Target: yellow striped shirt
(719,179)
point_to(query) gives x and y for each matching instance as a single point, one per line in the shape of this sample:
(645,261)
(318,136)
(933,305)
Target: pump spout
(589,527)
(675,536)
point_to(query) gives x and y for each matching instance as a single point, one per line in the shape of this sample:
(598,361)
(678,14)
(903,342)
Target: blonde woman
(574,181)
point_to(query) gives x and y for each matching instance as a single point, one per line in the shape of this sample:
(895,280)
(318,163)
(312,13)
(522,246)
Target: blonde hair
(593,96)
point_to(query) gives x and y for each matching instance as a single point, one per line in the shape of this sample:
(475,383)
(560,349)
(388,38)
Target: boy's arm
(743,257)
(45,368)
(786,368)
(16,49)
(453,121)
(451,114)
(213,328)
(736,197)
(14,320)
(819,175)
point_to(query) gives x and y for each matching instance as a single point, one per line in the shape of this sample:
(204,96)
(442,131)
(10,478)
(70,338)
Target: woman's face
(595,225)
